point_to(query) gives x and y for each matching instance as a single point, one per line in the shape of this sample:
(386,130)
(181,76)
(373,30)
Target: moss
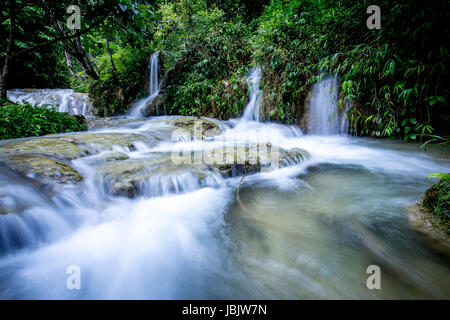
(437,201)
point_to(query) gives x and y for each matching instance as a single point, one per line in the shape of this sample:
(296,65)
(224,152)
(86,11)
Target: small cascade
(325,116)
(252,110)
(64,100)
(139,107)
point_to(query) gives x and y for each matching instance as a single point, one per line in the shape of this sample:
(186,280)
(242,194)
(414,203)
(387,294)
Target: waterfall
(140,105)
(64,100)
(325,117)
(252,110)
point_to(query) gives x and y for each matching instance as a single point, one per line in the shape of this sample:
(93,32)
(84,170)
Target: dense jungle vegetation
(396,78)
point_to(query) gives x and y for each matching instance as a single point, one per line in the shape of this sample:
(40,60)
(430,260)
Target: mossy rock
(437,200)
(33,165)
(73,146)
(206,127)
(46,146)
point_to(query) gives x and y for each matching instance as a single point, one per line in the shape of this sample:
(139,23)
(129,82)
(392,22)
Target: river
(308,230)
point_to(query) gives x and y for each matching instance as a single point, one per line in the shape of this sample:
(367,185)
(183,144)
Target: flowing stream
(308,230)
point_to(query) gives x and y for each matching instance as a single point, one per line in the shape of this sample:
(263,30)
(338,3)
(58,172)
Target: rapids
(309,230)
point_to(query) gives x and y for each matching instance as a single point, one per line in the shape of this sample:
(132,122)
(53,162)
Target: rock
(154,107)
(205,127)
(47,146)
(253,158)
(432,233)
(72,146)
(44,167)
(157,172)
(97,142)
(115,156)
(437,201)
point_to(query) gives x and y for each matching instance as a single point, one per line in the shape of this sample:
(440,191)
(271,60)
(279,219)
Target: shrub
(25,120)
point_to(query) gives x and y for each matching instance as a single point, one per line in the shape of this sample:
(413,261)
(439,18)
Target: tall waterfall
(140,105)
(252,110)
(325,117)
(64,100)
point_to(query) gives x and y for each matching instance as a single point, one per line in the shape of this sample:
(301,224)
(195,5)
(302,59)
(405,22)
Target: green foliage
(205,56)
(45,68)
(25,120)
(395,77)
(116,89)
(398,75)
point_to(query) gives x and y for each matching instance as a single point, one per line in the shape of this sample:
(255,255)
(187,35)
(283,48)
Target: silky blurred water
(306,231)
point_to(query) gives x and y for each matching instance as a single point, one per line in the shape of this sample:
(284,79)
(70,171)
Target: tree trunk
(74,49)
(111,59)
(71,69)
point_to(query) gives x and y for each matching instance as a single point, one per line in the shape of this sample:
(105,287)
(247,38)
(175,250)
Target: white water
(325,116)
(305,231)
(64,100)
(139,106)
(253,108)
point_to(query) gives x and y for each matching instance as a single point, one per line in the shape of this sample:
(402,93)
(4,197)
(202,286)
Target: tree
(50,13)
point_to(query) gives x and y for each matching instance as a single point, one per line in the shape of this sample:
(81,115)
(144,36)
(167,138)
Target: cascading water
(140,225)
(325,116)
(252,110)
(140,105)
(64,100)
